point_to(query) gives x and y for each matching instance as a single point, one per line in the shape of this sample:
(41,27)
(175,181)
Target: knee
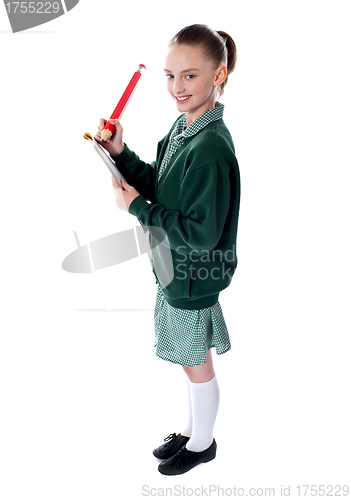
(199,373)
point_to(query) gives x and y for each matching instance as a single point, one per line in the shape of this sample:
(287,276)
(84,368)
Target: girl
(192,193)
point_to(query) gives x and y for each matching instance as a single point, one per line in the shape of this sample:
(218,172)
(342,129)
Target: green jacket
(196,205)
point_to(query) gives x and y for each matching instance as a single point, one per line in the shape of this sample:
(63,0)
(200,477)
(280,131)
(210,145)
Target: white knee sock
(189,425)
(205,402)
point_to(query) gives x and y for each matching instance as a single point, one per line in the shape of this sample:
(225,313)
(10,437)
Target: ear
(221,74)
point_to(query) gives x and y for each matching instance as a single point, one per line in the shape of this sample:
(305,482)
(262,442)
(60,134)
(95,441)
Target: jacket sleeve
(204,202)
(140,175)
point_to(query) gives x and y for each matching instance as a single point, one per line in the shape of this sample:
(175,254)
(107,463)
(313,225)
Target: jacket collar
(180,132)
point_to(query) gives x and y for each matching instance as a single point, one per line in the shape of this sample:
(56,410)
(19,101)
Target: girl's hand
(124,196)
(114,145)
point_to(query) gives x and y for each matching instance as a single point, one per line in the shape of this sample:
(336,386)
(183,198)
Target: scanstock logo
(25,15)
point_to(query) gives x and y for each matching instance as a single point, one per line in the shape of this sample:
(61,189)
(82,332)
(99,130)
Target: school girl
(191,193)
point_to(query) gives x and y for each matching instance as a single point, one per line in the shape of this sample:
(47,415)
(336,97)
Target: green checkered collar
(180,132)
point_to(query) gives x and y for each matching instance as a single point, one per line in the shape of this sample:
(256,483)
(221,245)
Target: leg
(205,402)
(201,446)
(203,372)
(196,374)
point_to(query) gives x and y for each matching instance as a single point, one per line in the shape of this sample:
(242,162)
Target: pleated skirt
(184,336)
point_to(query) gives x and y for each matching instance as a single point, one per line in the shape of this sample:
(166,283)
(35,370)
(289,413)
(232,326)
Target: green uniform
(191,192)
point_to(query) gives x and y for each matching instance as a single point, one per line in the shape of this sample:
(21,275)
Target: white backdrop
(84,400)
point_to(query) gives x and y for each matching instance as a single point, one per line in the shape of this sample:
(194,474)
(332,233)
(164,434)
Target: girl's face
(192,80)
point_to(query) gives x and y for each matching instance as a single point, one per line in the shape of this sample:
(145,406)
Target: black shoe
(184,460)
(172,444)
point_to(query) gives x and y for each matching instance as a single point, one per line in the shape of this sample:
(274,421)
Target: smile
(183,98)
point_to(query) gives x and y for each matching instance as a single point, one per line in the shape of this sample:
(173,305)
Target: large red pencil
(109,129)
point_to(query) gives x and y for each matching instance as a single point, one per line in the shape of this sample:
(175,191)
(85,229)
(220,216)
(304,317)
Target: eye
(169,76)
(190,77)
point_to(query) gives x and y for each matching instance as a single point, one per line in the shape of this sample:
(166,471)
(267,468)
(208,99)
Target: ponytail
(231,57)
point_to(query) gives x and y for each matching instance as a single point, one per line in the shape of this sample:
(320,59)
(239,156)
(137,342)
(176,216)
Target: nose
(178,86)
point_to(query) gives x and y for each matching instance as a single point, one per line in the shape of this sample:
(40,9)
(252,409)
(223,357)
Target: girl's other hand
(114,145)
(124,196)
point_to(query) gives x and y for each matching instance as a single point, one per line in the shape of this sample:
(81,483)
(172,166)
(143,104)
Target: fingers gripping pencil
(109,129)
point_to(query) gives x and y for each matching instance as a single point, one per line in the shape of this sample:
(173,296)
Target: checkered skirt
(184,336)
